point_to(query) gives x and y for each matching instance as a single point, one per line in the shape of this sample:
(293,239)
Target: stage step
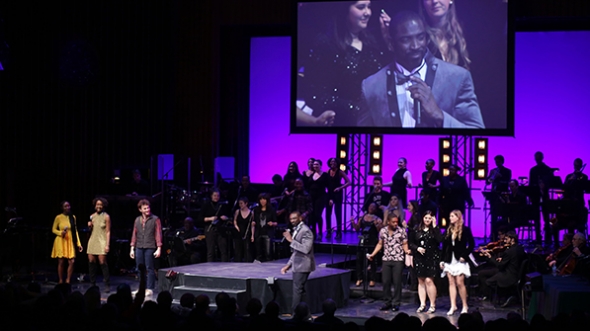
(221,283)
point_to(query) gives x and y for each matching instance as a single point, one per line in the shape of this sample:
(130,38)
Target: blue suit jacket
(452,87)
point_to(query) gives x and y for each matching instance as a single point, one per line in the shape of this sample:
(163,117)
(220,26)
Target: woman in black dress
(335,188)
(415,218)
(401,180)
(369,226)
(318,185)
(308,173)
(291,175)
(244,224)
(424,243)
(265,218)
(431,180)
(412,224)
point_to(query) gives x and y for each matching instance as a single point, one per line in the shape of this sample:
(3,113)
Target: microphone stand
(365,298)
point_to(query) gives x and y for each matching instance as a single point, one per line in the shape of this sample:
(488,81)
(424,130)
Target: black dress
(317,191)
(426,265)
(333,76)
(399,186)
(242,240)
(337,197)
(434,178)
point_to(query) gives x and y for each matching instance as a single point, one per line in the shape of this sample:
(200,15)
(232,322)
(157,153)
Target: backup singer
(291,175)
(454,192)
(244,235)
(335,189)
(378,196)
(146,241)
(458,243)
(395,206)
(431,180)
(265,218)
(394,242)
(299,200)
(424,243)
(213,214)
(318,184)
(401,180)
(64,245)
(99,242)
(368,225)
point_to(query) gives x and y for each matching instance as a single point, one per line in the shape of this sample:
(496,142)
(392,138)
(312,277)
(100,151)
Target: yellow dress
(98,237)
(63,247)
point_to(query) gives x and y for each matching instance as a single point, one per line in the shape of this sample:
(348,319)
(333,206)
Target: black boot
(106,277)
(92,268)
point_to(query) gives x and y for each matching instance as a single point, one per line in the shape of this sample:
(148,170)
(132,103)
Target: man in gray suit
(302,260)
(417,89)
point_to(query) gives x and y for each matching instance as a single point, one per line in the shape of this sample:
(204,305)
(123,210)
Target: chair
(518,288)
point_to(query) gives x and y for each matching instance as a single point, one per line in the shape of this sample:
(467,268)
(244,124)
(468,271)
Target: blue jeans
(146,256)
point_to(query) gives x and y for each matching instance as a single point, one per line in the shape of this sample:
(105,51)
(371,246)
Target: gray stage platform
(252,280)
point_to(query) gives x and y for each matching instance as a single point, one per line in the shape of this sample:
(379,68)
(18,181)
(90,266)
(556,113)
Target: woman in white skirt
(457,245)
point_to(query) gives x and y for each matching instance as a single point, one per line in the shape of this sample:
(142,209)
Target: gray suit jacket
(302,259)
(451,86)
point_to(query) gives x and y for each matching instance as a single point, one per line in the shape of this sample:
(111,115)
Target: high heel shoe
(431,310)
(465,310)
(420,309)
(359,282)
(372,283)
(451,311)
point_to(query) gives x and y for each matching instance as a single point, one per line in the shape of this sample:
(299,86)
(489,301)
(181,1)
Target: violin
(568,266)
(553,255)
(490,246)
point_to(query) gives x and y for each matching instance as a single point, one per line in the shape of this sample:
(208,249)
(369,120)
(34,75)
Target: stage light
(445,155)
(342,145)
(481,158)
(342,155)
(376,154)
(343,167)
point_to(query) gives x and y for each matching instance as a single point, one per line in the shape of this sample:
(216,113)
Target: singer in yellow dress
(64,228)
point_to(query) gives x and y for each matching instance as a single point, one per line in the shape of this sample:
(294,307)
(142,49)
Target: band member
(246,189)
(539,180)
(577,261)
(431,180)
(335,199)
(558,257)
(401,180)
(394,242)
(395,206)
(575,214)
(498,178)
(213,215)
(458,243)
(146,241)
(298,200)
(244,235)
(66,242)
(193,247)
(454,192)
(506,272)
(514,207)
(368,225)
(302,260)
(378,196)
(424,243)
(265,218)
(318,185)
(99,242)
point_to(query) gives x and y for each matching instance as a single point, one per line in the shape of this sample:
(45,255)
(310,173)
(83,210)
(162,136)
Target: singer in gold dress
(64,245)
(99,242)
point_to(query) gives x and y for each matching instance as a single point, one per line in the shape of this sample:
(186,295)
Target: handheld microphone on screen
(283,240)
(418,111)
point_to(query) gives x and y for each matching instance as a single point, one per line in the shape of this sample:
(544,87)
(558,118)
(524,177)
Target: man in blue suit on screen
(418,89)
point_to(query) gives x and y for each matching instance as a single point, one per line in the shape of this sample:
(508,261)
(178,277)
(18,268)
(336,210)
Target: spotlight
(376,154)
(481,158)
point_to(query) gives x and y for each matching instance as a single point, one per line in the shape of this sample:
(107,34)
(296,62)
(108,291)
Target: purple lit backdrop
(550,114)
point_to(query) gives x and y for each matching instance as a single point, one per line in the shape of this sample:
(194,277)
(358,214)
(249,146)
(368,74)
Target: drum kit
(193,199)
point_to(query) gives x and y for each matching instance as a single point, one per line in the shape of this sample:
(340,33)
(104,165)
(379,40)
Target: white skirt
(456,268)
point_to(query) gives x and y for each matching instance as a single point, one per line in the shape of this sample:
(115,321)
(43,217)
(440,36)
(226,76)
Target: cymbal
(206,183)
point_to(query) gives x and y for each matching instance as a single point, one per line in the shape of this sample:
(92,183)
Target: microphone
(418,111)
(222,202)
(254,205)
(283,240)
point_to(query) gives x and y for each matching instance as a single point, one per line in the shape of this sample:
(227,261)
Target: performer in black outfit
(431,180)
(318,185)
(401,180)
(575,215)
(499,178)
(335,189)
(369,226)
(193,247)
(424,243)
(539,181)
(244,235)
(426,203)
(412,223)
(306,175)
(213,214)
(265,218)
(378,196)
(514,207)
(454,192)
(246,190)
(291,175)
(299,200)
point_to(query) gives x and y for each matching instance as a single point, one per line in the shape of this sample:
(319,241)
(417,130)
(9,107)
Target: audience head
(272,309)
(202,303)
(253,307)
(329,307)
(301,312)
(187,300)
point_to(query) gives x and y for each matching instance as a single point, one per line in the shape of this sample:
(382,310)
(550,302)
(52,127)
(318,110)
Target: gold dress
(98,237)
(63,247)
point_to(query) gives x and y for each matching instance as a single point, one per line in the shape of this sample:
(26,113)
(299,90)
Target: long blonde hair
(456,230)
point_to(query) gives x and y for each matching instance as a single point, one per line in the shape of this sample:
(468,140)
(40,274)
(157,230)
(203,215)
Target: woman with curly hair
(445,31)
(99,242)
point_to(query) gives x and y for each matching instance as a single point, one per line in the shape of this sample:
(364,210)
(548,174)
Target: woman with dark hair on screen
(318,186)
(446,34)
(99,242)
(401,180)
(339,59)
(66,242)
(335,199)
(424,243)
(265,218)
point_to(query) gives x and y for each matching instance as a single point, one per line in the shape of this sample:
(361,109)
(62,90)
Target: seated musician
(562,253)
(515,203)
(577,261)
(506,268)
(193,246)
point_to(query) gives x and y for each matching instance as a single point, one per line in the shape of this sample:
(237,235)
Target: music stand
(365,298)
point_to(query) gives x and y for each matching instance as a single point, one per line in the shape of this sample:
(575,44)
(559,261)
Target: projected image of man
(417,89)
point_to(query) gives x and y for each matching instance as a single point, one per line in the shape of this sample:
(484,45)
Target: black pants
(316,222)
(243,249)
(263,247)
(483,276)
(361,262)
(337,207)
(299,295)
(391,271)
(215,239)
